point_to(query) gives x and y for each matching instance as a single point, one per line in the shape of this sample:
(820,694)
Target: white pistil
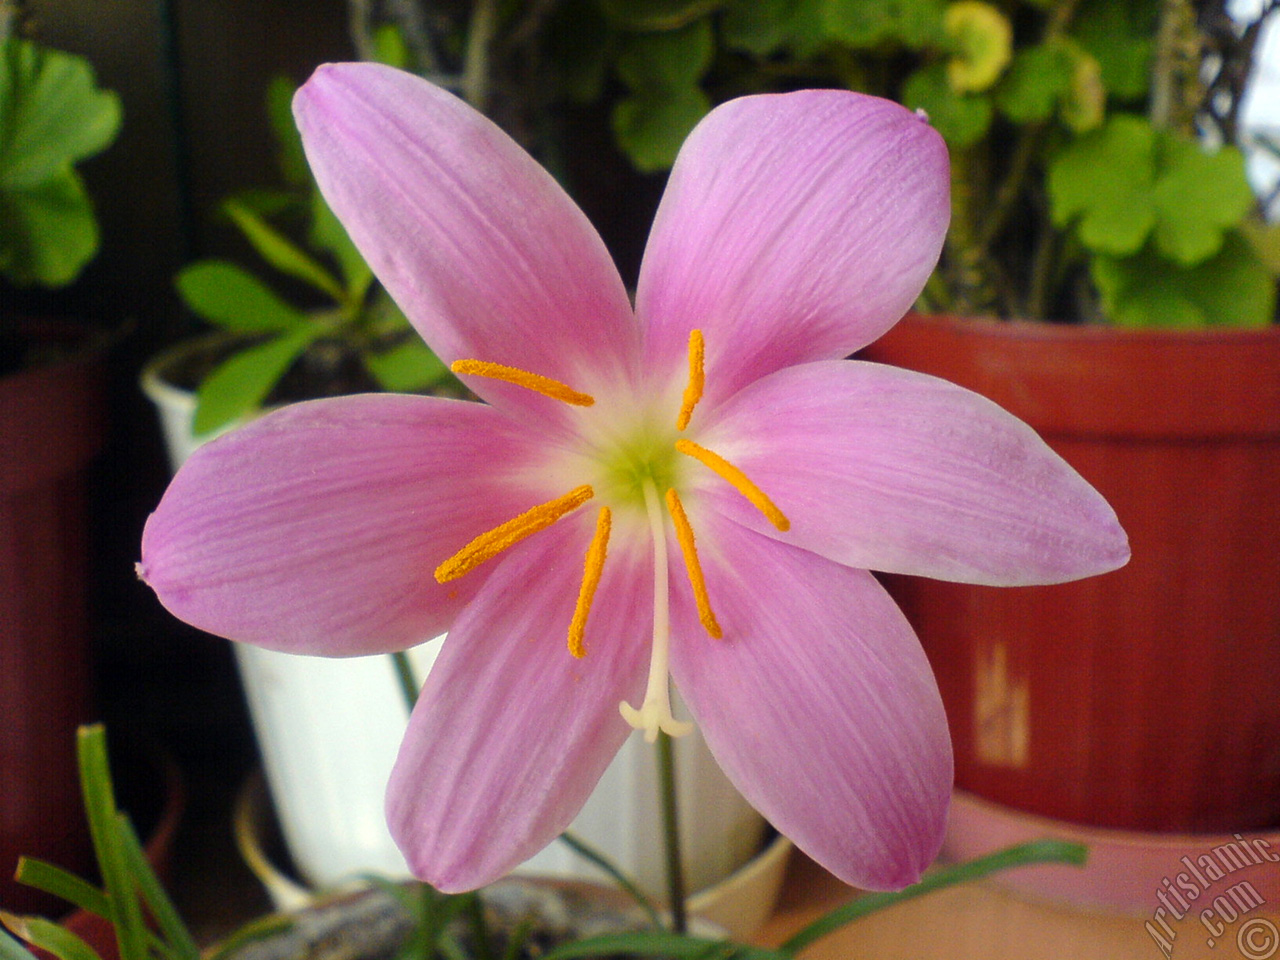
(654,714)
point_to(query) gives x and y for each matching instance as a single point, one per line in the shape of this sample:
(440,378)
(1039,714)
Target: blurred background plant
(1096,144)
(357,339)
(53,115)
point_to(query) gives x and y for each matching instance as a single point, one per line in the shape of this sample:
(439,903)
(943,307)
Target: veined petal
(511,731)
(819,705)
(482,249)
(892,470)
(316,529)
(794,227)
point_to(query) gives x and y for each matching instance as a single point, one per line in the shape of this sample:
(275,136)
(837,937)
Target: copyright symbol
(1258,939)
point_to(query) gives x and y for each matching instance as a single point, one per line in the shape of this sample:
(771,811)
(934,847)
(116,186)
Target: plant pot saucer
(1127,871)
(738,905)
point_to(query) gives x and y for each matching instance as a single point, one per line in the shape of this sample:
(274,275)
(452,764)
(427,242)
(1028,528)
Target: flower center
(632,472)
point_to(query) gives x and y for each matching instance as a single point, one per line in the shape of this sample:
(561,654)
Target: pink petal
(485,253)
(317,529)
(511,732)
(794,227)
(891,470)
(819,705)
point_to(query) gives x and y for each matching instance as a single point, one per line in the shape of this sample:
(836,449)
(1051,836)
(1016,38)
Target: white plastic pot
(328,731)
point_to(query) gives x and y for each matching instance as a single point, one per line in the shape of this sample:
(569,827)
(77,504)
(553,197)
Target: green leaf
(1037,851)
(389,47)
(240,385)
(1198,196)
(675,59)
(1037,79)
(763,27)
(100,807)
(175,932)
(11,949)
(1118,33)
(234,299)
(290,156)
(46,935)
(1104,182)
(1231,289)
(651,127)
(656,14)
(407,367)
(328,234)
(662,943)
(48,231)
(962,118)
(60,883)
(868,23)
(52,114)
(282,253)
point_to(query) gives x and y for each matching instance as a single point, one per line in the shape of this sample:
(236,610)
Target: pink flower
(697,485)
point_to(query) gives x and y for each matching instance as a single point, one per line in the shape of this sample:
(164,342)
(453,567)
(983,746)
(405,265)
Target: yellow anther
(738,479)
(523,378)
(492,543)
(593,568)
(684,534)
(697,379)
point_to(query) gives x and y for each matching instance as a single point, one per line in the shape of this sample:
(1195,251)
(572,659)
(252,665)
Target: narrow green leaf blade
(60,883)
(281,252)
(172,928)
(100,806)
(1037,851)
(11,949)
(234,299)
(661,943)
(46,935)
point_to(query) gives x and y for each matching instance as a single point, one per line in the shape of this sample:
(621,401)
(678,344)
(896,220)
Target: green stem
(671,833)
(475,70)
(408,682)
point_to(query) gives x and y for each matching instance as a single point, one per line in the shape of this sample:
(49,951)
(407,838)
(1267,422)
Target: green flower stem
(1037,851)
(475,70)
(408,682)
(671,834)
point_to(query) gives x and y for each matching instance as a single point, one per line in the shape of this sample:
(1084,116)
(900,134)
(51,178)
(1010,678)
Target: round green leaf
(47,231)
(869,23)
(52,113)
(666,61)
(962,118)
(1104,182)
(1037,79)
(1198,196)
(1230,289)
(650,127)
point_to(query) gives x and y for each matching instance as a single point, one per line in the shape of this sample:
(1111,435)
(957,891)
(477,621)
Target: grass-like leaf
(662,943)
(100,806)
(51,879)
(1025,854)
(49,936)
(11,949)
(172,929)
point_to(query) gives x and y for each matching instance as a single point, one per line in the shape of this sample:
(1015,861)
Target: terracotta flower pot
(1148,698)
(51,426)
